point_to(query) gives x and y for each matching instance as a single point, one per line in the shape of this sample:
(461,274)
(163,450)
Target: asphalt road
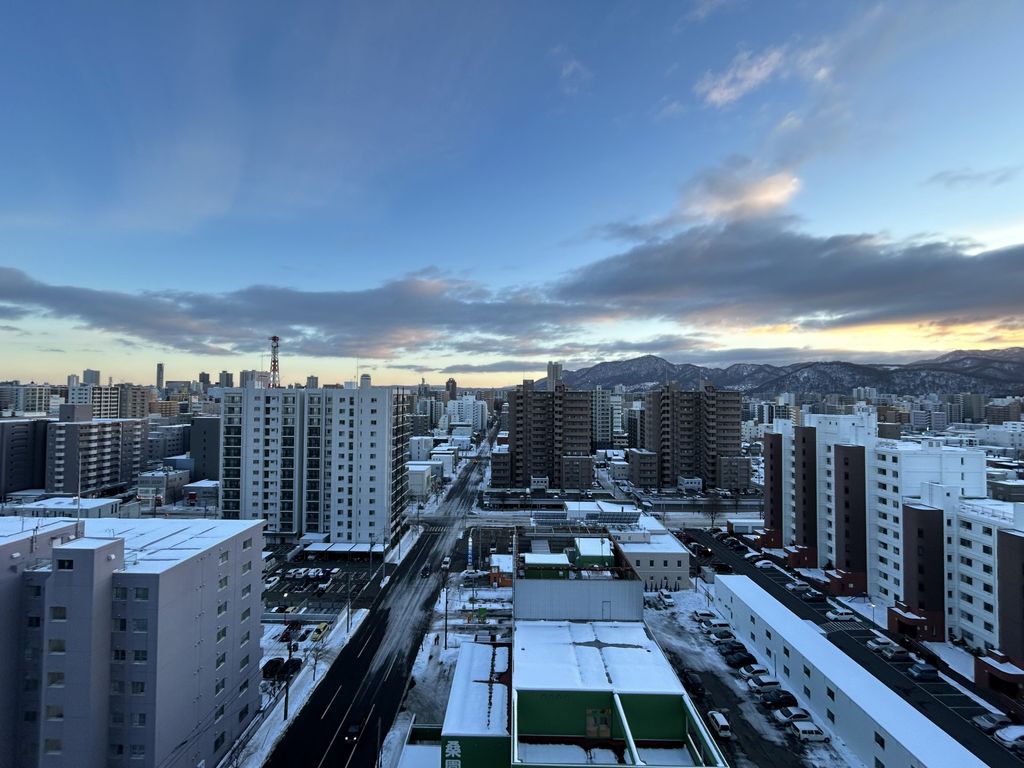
(940,702)
(365,685)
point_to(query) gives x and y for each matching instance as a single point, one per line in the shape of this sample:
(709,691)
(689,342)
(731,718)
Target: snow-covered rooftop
(504,563)
(534,558)
(615,656)
(594,547)
(67,503)
(478,704)
(919,735)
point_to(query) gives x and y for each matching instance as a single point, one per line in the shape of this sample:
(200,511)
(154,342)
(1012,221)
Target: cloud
(502,366)
(668,107)
(573,75)
(10,312)
(968,177)
(747,72)
(12,329)
(738,189)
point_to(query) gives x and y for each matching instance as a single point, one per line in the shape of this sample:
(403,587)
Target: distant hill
(994,372)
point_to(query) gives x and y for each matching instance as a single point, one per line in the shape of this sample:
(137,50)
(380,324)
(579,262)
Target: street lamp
(873,613)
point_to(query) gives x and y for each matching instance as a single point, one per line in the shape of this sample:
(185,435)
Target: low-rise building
(659,559)
(163,486)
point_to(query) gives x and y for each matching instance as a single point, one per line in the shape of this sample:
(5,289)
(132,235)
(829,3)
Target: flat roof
(204,484)
(619,656)
(504,563)
(919,735)
(16,528)
(594,547)
(478,703)
(69,503)
(545,558)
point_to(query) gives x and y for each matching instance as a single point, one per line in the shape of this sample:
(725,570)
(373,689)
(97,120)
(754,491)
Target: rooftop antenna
(275,368)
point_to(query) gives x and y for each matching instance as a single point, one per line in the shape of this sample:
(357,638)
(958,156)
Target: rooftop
(478,703)
(69,503)
(14,529)
(617,656)
(922,738)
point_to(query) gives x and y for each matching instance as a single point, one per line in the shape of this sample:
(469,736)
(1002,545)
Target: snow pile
(957,659)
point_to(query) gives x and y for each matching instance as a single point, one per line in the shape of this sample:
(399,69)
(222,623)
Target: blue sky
(451,187)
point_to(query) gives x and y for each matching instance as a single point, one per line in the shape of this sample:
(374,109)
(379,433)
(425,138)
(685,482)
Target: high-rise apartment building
(690,430)
(602,425)
(159,375)
(105,401)
(204,381)
(133,401)
(554,375)
(326,461)
(312,382)
(468,410)
(22,455)
(138,641)
(73,380)
(27,398)
(451,389)
(205,447)
(226,379)
(549,438)
(254,378)
(89,376)
(84,456)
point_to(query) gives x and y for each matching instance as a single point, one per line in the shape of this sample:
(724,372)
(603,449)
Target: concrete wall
(578,599)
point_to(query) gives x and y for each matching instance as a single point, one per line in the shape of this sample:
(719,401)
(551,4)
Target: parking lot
(319,586)
(939,700)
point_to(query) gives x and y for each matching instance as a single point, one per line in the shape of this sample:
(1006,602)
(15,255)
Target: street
(352,709)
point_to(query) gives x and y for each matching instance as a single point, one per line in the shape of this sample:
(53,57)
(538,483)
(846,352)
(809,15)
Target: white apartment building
(467,410)
(326,461)
(420,447)
(139,641)
(28,398)
(105,401)
(91,456)
(602,416)
(898,469)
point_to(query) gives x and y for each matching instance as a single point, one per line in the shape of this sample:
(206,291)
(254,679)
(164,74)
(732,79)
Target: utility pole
(348,612)
(446,612)
(287,680)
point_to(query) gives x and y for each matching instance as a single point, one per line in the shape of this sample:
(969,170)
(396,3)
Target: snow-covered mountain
(995,372)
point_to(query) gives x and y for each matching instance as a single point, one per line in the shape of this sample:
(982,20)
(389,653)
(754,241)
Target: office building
(138,641)
(205,382)
(73,379)
(254,378)
(85,456)
(554,377)
(225,379)
(549,438)
(690,430)
(89,376)
(467,410)
(160,376)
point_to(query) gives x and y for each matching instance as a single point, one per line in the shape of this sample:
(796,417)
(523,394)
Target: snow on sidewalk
(274,725)
(957,659)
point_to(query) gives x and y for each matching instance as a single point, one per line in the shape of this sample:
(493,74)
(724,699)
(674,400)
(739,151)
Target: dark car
(813,596)
(719,567)
(291,666)
(729,647)
(425,571)
(353,731)
(777,699)
(740,659)
(693,683)
(272,668)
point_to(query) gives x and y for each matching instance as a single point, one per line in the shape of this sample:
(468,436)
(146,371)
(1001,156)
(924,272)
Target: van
(710,625)
(804,730)
(719,725)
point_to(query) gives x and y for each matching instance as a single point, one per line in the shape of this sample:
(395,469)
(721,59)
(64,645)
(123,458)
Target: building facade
(92,456)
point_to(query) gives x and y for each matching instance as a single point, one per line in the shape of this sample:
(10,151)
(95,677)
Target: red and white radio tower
(275,367)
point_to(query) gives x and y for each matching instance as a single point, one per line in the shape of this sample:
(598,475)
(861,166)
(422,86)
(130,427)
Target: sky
(471,189)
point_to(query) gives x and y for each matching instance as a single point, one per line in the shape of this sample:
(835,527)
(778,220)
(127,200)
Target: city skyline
(474,191)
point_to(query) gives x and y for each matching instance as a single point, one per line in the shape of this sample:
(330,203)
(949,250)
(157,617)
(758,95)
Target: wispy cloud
(970,177)
(573,75)
(747,72)
(737,189)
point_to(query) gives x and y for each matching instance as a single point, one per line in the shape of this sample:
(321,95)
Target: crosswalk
(839,626)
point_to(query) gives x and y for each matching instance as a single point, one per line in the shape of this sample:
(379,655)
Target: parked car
(879,643)
(750,670)
(797,585)
(990,722)
(895,653)
(840,614)
(710,625)
(787,715)
(751,556)
(763,683)
(271,582)
(764,565)
(320,631)
(701,615)
(778,698)
(693,683)
(666,598)
(721,636)
(805,730)
(291,666)
(923,673)
(730,647)
(719,725)
(1012,736)
(813,596)
(272,668)
(740,659)
(722,568)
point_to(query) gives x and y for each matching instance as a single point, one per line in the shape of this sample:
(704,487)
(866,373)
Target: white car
(787,715)
(805,730)
(721,636)
(701,615)
(764,564)
(763,683)
(877,644)
(666,597)
(271,582)
(1011,737)
(797,585)
(840,614)
(751,556)
(751,670)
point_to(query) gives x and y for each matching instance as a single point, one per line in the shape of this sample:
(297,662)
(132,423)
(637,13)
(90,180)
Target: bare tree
(318,651)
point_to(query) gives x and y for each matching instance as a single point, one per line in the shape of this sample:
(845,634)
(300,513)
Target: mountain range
(992,372)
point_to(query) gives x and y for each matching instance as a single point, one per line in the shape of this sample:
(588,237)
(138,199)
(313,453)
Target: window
(223,558)
(243,663)
(138,719)
(65,565)
(138,688)
(247,544)
(58,613)
(830,693)
(56,645)
(118,654)
(785,651)
(119,625)
(117,686)
(117,750)
(54,712)
(53,746)
(243,712)
(142,593)
(247,567)
(246,590)
(140,625)
(785,670)
(222,608)
(245,614)
(879,740)
(222,632)
(120,593)
(221,658)
(830,715)
(222,583)
(219,741)
(33,621)
(140,656)
(879,763)
(218,713)
(138,751)
(219,686)
(243,687)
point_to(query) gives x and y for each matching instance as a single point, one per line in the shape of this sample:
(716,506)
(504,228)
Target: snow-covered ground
(859,605)
(813,574)
(957,658)
(273,726)
(408,540)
